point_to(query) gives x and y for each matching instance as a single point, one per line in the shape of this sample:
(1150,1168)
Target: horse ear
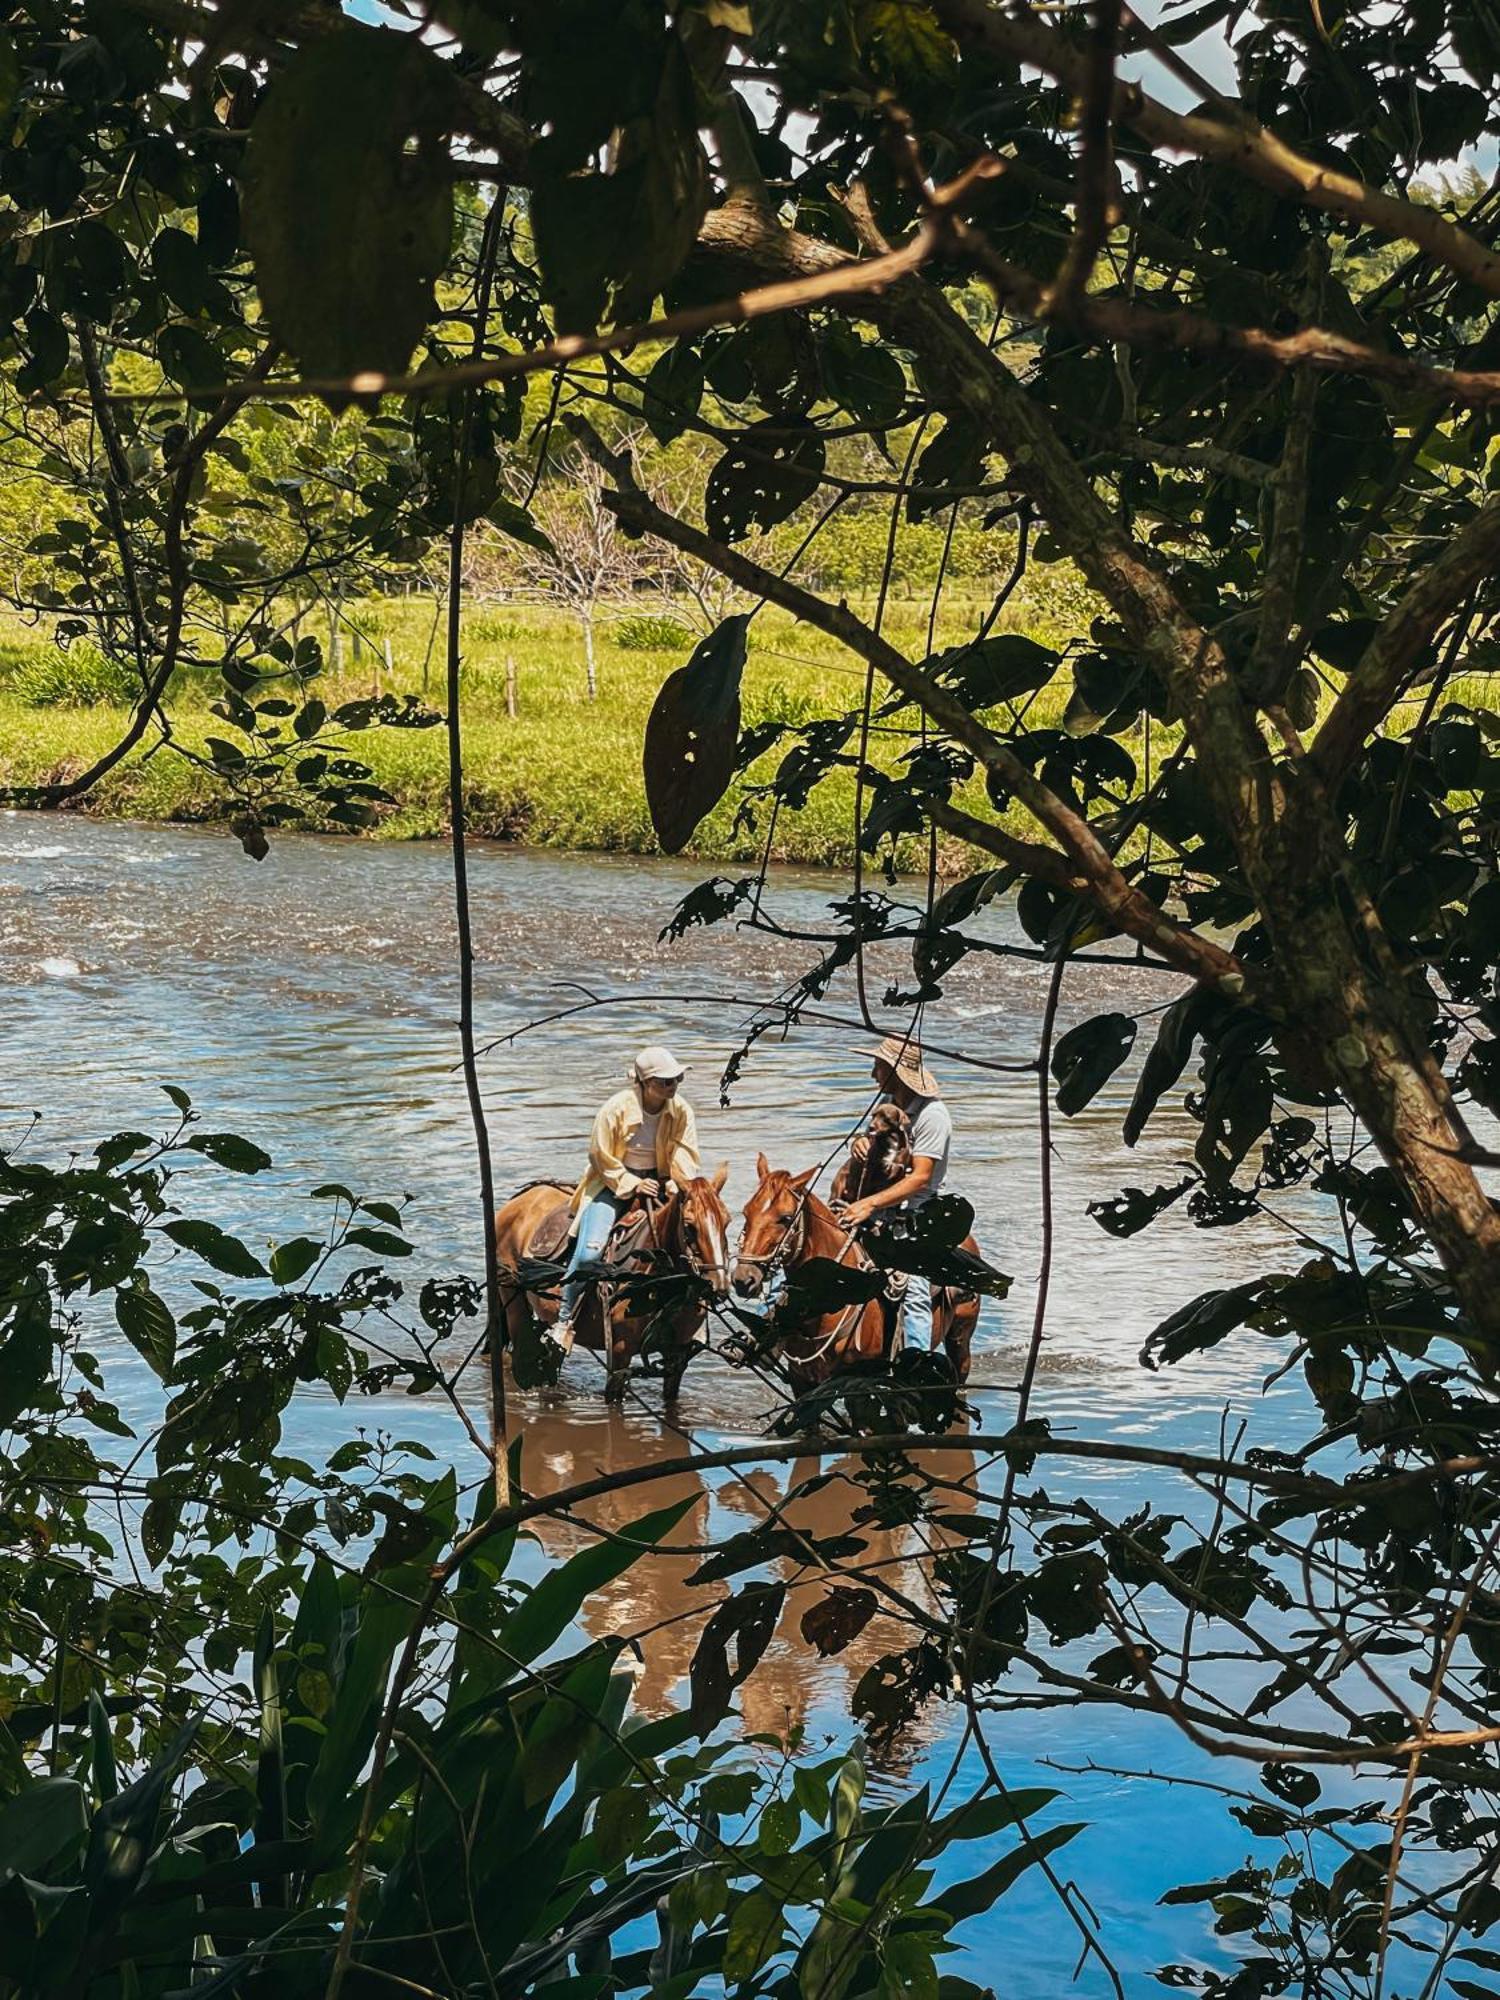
(802,1180)
(763,1166)
(720,1177)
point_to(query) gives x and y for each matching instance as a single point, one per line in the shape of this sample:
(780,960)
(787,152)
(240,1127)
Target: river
(309,1001)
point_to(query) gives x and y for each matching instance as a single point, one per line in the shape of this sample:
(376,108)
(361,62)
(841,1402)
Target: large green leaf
(349,200)
(692,734)
(38,1823)
(556,1601)
(610,242)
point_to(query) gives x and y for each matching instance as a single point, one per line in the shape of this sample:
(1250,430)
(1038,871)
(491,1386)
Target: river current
(309,1001)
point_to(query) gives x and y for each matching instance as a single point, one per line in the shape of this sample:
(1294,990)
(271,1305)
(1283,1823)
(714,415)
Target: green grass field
(566,772)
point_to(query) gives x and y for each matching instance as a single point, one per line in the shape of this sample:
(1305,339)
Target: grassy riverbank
(565,772)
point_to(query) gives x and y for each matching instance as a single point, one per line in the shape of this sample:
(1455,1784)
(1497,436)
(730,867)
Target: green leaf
(148,1325)
(227,1149)
(763,477)
(692,734)
(189,359)
(379,1240)
(38,1823)
(348,207)
(862,377)
(1087,1057)
(1002,668)
(514,521)
(608,243)
(294,1259)
(908,40)
(224,1252)
(982,1892)
(754,1934)
(556,1601)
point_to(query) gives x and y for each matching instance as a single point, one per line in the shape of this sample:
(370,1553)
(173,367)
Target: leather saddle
(549,1244)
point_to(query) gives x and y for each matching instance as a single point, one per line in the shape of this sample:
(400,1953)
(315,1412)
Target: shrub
(80,677)
(652,632)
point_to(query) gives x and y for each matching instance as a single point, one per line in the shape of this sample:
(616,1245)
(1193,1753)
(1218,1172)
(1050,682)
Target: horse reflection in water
(654,1604)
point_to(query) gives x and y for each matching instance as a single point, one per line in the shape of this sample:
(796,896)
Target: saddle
(549,1244)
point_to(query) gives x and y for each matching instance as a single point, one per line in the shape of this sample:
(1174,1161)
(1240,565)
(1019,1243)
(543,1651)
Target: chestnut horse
(688,1233)
(786,1226)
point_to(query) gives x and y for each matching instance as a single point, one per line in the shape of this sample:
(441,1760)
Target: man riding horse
(905,1082)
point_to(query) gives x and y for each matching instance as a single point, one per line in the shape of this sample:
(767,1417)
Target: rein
(785,1254)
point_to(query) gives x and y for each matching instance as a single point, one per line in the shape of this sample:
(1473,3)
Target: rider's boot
(563,1332)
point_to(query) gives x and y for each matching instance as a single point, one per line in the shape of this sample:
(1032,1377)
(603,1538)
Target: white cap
(660,1063)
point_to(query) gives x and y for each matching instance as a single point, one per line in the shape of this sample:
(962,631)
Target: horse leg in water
(955,1315)
(617,1349)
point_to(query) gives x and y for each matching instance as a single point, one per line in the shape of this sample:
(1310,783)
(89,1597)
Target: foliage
(201,1760)
(1229,375)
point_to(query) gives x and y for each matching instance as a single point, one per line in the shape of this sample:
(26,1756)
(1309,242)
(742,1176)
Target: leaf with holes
(746,1622)
(692,734)
(763,477)
(838,1619)
(349,198)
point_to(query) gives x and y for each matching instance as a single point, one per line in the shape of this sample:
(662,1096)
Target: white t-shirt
(931,1139)
(640,1147)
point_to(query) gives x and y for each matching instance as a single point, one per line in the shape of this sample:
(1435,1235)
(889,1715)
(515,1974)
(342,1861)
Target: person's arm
(918,1177)
(603,1158)
(687,1164)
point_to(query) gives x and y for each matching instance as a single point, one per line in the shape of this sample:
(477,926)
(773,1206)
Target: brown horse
(688,1232)
(787,1226)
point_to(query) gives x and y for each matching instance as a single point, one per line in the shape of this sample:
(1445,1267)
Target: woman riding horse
(643,1155)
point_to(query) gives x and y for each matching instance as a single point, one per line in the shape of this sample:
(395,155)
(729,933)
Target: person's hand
(859,1147)
(854,1213)
(648,1190)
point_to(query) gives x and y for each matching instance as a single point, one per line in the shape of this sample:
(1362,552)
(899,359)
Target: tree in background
(579,556)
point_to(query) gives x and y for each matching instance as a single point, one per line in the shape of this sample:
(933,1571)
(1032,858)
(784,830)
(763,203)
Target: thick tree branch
(1246,147)
(1101,879)
(1396,649)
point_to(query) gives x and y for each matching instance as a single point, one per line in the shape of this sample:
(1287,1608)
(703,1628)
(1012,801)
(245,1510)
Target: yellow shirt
(676,1146)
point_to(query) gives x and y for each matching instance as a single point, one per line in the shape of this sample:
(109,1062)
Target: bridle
(688,1251)
(789,1249)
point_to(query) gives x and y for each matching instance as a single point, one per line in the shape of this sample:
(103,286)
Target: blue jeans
(594,1224)
(918,1310)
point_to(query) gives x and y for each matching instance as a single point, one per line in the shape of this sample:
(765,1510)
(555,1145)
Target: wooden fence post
(510,685)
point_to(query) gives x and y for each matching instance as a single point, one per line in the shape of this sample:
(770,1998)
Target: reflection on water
(665,1609)
(310,1001)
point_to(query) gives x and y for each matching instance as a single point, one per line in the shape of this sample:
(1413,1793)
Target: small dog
(886,1159)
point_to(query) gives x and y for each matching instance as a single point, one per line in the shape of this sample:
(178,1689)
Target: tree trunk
(586,619)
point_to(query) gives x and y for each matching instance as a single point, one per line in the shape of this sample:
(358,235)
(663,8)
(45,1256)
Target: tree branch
(1125,905)
(1392,655)
(1248,148)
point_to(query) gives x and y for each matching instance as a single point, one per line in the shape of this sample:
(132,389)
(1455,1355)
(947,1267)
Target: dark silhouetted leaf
(692,733)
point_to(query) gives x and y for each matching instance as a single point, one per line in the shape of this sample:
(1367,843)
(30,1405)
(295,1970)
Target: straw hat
(904,1056)
(660,1063)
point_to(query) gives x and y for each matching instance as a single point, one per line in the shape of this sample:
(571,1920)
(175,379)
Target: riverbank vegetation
(1192,417)
(562,771)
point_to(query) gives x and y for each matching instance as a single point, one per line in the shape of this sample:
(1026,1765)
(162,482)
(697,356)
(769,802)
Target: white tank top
(640,1147)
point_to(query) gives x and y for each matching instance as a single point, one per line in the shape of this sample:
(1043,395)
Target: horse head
(703,1230)
(770,1215)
